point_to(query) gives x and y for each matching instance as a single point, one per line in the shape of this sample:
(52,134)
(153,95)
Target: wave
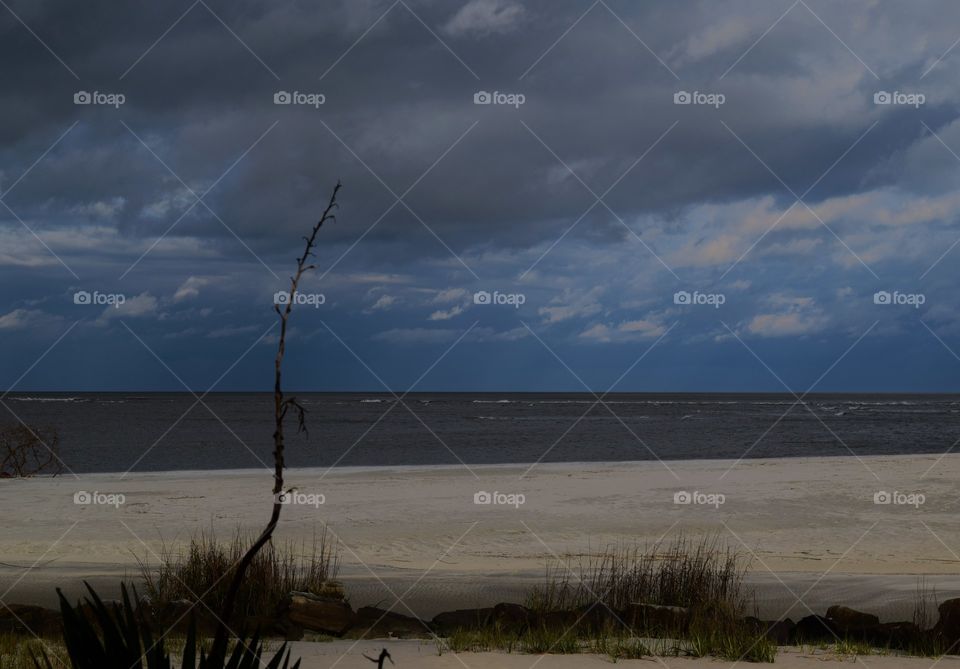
(49,399)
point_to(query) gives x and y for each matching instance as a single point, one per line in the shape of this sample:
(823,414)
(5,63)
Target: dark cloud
(694,197)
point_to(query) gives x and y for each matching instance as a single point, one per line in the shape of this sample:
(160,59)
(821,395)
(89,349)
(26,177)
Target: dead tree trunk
(281,406)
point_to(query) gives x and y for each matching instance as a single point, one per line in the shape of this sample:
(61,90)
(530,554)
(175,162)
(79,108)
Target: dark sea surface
(111,432)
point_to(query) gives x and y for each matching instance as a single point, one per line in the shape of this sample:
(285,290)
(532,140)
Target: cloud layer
(732,185)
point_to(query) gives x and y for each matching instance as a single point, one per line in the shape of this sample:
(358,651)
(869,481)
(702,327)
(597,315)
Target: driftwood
(25,451)
(281,406)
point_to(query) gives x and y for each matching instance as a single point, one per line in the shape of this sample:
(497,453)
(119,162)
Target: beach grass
(697,584)
(694,574)
(199,570)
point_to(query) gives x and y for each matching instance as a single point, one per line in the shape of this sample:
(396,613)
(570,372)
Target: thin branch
(281,405)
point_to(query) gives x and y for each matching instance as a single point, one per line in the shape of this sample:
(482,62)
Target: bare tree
(25,451)
(282,405)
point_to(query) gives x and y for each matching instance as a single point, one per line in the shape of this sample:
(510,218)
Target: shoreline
(360,469)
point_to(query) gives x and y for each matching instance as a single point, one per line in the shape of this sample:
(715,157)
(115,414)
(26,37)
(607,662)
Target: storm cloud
(746,194)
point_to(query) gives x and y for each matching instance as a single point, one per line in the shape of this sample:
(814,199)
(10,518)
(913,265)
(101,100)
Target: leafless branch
(281,406)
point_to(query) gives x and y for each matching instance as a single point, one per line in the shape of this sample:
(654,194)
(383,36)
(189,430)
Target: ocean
(118,432)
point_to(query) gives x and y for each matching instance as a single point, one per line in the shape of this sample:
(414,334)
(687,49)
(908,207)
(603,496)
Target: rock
(657,619)
(372,623)
(812,629)
(900,635)
(846,620)
(779,632)
(448,622)
(948,626)
(594,618)
(332,590)
(558,620)
(328,615)
(511,617)
(29,619)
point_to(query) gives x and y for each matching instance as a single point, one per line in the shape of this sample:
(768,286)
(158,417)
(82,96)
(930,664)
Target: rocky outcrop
(448,622)
(948,626)
(371,623)
(813,629)
(327,615)
(846,620)
(780,632)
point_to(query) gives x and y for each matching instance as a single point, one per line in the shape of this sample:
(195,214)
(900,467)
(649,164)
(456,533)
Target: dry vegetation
(200,569)
(28,451)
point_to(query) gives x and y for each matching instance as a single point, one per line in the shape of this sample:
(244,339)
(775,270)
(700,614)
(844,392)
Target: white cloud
(190,288)
(450,295)
(572,304)
(20,319)
(100,209)
(456,310)
(383,303)
(143,304)
(795,316)
(625,331)
(483,17)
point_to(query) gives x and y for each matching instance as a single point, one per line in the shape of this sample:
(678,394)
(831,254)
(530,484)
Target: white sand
(800,518)
(348,655)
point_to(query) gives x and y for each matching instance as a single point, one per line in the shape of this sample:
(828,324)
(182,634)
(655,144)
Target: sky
(756,195)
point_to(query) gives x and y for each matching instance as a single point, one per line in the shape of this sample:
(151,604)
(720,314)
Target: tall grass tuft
(200,570)
(700,574)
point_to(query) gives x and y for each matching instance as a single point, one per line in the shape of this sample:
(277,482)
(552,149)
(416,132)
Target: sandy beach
(810,527)
(424,654)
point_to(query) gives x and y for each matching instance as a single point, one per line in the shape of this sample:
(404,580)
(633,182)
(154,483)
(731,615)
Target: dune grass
(682,573)
(200,569)
(702,579)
